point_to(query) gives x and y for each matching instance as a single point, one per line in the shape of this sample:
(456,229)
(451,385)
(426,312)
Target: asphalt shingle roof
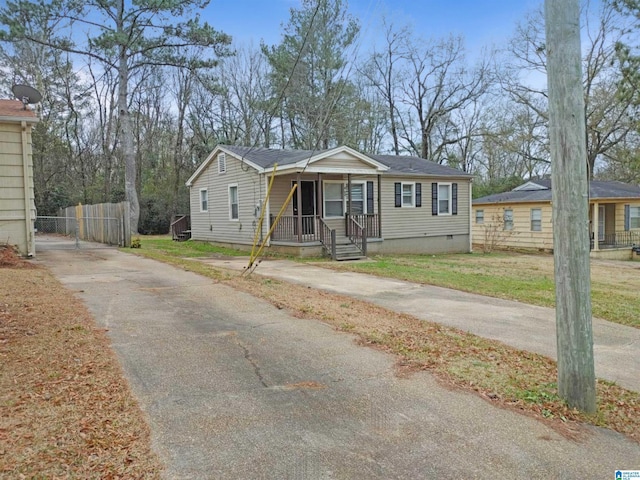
(597,189)
(398,165)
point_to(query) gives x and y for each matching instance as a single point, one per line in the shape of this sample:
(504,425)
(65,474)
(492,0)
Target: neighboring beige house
(522,217)
(17,203)
(372,203)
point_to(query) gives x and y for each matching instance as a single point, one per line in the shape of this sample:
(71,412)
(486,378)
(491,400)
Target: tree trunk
(576,377)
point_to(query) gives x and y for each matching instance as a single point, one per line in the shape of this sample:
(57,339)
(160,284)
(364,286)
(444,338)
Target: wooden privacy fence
(103,222)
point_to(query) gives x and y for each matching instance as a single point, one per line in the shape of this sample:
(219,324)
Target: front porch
(608,239)
(339,213)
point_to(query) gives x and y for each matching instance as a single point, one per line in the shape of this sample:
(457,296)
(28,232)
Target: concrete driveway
(236,389)
(523,326)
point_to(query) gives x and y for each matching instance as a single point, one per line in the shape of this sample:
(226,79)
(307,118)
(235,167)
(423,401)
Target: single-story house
(17,201)
(522,218)
(366,203)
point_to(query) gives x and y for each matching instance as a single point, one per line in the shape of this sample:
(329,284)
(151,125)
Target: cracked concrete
(523,326)
(344,414)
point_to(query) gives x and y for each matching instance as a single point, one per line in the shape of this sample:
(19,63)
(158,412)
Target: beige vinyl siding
(521,235)
(412,222)
(342,160)
(215,224)
(12,196)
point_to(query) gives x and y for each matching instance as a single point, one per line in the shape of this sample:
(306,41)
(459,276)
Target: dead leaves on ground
(65,409)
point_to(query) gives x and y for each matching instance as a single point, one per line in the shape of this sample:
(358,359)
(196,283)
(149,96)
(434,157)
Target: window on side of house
(222,163)
(444,199)
(233,202)
(508,219)
(536,220)
(204,200)
(479,216)
(408,194)
(333,199)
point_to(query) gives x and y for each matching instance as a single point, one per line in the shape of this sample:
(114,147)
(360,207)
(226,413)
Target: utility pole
(571,243)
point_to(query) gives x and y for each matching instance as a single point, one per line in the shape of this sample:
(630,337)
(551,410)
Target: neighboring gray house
(17,204)
(372,203)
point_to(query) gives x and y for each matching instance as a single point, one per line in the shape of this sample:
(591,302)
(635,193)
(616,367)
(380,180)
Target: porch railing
(617,240)
(181,227)
(366,220)
(287,229)
(328,239)
(357,234)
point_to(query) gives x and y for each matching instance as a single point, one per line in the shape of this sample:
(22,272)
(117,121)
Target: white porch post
(596,226)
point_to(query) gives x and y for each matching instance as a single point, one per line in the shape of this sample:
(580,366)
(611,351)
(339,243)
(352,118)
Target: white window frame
(507,226)
(229,187)
(450,199)
(633,217)
(345,196)
(206,193)
(538,220)
(363,184)
(222,163)
(413,195)
(479,215)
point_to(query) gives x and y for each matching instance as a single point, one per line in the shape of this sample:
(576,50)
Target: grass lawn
(503,375)
(514,276)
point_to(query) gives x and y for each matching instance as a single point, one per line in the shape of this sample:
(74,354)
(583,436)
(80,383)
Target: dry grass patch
(65,409)
(505,376)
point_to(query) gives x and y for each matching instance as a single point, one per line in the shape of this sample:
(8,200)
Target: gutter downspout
(28,221)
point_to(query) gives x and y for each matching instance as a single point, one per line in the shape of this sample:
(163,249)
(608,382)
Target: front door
(308,211)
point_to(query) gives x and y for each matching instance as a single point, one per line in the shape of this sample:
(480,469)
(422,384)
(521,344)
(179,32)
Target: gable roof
(263,159)
(540,191)
(14,111)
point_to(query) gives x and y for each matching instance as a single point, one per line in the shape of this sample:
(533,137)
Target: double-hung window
(333,199)
(357,199)
(444,199)
(508,219)
(233,202)
(536,220)
(408,194)
(204,200)
(479,216)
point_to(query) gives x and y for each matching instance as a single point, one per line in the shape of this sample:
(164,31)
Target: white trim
(504,217)
(476,216)
(413,194)
(530,185)
(470,210)
(229,187)
(344,149)
(531,219)
(206,190)
(324,198)
(204,165)
(221,158)
(449,212)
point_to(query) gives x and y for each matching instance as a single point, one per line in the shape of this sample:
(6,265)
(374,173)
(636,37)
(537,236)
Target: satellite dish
(26,94)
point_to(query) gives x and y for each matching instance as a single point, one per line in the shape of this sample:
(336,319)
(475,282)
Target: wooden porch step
(348,251)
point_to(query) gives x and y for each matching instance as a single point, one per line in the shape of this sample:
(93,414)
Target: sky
(480,22)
